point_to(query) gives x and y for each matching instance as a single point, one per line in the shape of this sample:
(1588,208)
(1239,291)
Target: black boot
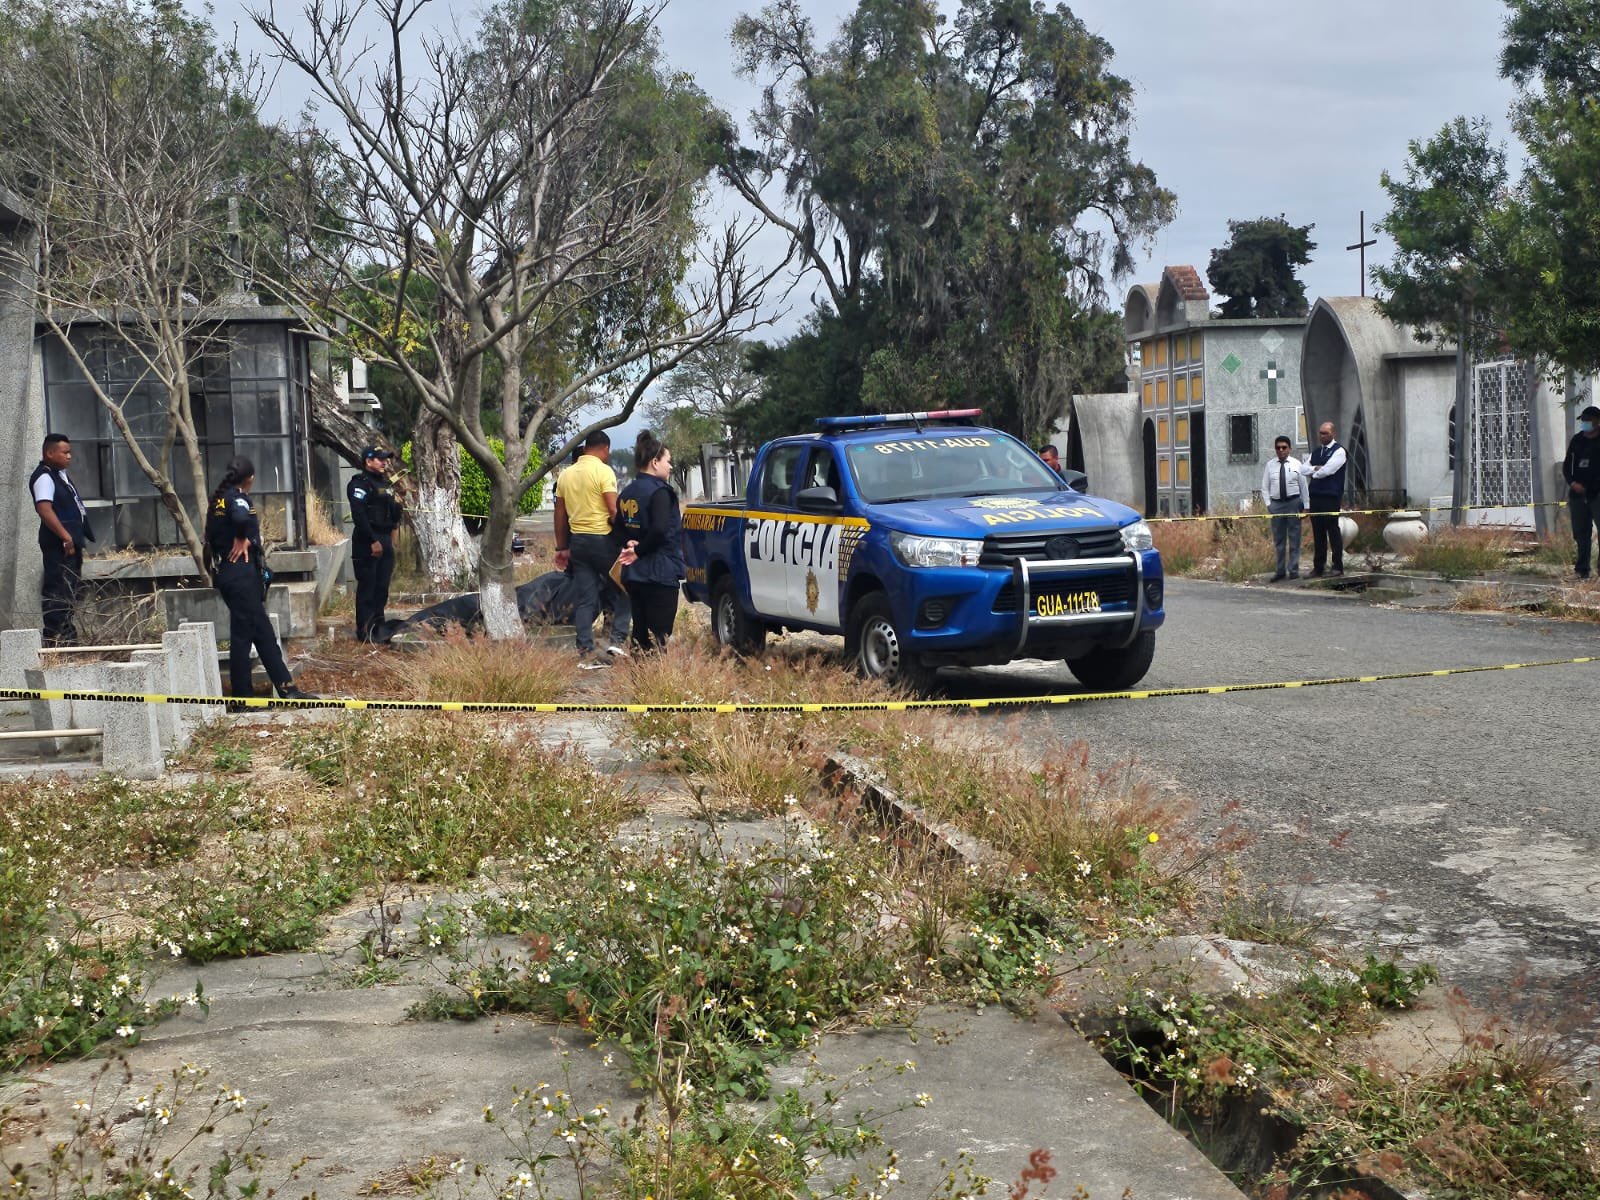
(289,692)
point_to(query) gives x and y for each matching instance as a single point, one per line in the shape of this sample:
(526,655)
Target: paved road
(1456,818)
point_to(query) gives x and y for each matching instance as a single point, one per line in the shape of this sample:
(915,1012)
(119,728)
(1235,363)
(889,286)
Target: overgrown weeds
(432,799)
(734,956)
(1184,545)
(459,667)
(182,1137)
(1244,549)
(1458,553)
(1087,835)
(753,759)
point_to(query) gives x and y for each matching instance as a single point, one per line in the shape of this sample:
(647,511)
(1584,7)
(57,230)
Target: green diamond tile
(1232,363)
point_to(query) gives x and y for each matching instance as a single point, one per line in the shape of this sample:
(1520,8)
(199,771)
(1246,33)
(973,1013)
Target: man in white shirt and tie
(1287,494)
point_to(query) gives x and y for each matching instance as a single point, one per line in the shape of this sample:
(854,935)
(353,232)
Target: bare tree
(519,230)
(126,131)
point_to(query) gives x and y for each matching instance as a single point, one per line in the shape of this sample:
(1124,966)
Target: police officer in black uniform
(374,514)
(63,529)
(238,567)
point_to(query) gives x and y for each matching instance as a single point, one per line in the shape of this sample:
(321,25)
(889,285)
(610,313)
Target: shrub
(1456,553)
(475,483)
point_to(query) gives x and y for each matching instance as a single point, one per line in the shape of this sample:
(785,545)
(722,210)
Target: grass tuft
(1457,553)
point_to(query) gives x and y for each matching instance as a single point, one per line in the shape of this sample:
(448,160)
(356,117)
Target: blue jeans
(1585,514)
(592,556)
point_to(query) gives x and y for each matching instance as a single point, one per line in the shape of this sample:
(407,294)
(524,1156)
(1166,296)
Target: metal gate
(1502,441)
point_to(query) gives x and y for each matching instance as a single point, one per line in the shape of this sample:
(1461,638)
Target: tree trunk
(448,554)
(334,427)
(497,585)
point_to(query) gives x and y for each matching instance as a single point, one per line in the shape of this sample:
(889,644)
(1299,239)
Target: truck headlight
(915,550)
(1138,537)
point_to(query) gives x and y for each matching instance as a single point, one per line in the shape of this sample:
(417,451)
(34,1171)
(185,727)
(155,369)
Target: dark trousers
(1286,534)
(592,556)
(655,609)
(59,590)
(1585,514)
(1325,532)
(239,584)
(372,588)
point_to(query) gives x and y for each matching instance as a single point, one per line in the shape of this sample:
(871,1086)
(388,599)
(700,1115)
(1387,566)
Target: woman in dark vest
(238,567)
(652,559)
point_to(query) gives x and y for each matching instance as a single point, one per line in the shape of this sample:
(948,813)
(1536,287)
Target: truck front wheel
(1115,668)
(875,647)
(729,624)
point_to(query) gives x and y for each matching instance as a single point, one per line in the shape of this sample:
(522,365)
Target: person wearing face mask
(1581,469)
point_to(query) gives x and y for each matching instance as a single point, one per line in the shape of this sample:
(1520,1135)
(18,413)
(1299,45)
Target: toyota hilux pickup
(927,540)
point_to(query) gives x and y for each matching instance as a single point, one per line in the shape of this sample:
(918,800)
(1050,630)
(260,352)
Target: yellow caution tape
(1354,512)
(1222,689)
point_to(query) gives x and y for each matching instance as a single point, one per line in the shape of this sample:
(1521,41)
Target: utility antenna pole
(1361,243)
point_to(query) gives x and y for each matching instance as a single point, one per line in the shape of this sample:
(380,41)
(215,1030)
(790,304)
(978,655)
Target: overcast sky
(1244,108)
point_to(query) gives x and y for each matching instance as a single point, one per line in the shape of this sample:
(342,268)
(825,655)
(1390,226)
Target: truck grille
(1113,589)
(1041,546)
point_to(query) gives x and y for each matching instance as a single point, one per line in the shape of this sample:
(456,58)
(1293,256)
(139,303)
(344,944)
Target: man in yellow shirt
(586,505)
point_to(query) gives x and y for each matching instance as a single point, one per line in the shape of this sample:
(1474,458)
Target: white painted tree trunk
(448,553)
(501,618)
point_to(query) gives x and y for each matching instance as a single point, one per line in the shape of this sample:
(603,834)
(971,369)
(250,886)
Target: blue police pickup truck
(928,541)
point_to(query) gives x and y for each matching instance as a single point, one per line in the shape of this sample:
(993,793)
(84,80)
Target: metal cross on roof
(1361,243)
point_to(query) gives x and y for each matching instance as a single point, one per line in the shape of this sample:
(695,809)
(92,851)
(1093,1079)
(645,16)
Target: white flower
(124,1031)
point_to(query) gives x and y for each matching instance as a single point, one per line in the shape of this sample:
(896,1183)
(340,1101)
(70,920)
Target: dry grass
(320,529)
(1578,602)
(1483,597)
(480,669)
(346,667)
(1244,549)
(753,758)
(1080,830)
(1457,553)
(1184,545)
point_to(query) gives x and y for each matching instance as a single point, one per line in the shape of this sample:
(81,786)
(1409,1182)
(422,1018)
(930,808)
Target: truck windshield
(933,465)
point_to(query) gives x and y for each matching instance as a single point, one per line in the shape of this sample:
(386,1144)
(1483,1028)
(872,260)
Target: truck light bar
(874,420)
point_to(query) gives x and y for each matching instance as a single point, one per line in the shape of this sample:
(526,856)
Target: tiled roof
(1186,280)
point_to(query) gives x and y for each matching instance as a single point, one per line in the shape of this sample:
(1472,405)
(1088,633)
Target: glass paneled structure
(248,389)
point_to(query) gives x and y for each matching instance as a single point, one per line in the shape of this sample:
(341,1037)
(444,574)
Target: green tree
(684,431)
(542,176)
(1447,217)
(1256,269)
(128,130)
(1552,54)
(1522,256)
(960,188)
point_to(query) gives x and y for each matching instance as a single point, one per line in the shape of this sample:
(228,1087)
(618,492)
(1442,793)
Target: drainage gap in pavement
(1245,1136)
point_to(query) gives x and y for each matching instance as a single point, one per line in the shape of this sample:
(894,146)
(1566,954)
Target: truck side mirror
(817,500)
(1076,480)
